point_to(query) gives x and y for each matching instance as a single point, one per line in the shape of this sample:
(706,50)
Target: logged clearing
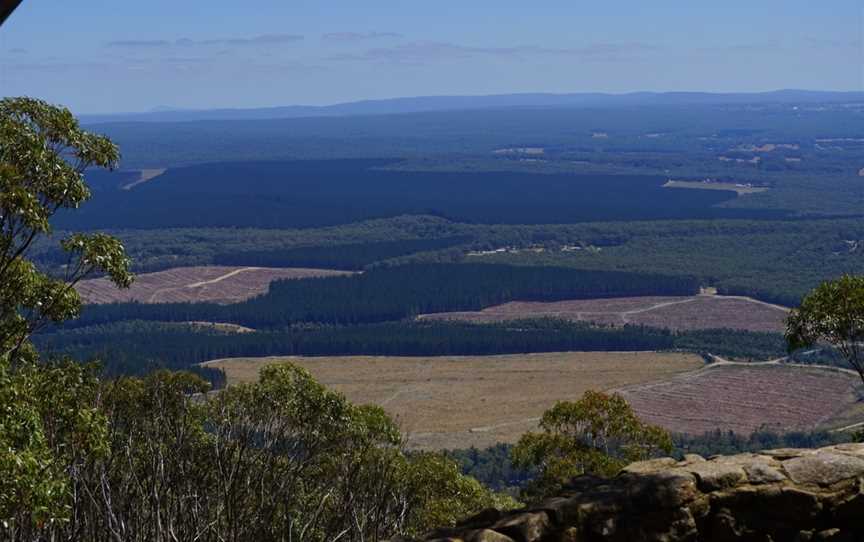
(144,176)
(221,326)
(457,402)
(678,313)
(214,284)
(746,397)
(740,189)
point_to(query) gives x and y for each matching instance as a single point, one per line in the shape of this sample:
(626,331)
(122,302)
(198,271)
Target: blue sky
(120,55)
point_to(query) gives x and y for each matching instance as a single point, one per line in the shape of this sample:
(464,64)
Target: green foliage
(135,347)
(154,250)
(728,443)
(281,459)
(599,434)
(493,467)
(442,495)
(731,343)
(48,423)
(833,313)
(348,256)
(139,347)
(774,261)
(43,154)
(49,427)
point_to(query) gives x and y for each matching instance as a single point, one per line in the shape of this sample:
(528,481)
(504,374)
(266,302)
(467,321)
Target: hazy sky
(125,55)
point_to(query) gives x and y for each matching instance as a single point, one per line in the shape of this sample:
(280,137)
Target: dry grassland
(457,402)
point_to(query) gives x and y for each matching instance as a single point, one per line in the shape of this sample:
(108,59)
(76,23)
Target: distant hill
(452,103)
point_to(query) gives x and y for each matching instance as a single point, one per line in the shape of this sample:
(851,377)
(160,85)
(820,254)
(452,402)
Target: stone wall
(778,495)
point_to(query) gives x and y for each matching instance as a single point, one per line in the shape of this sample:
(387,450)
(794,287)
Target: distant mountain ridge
(421,104)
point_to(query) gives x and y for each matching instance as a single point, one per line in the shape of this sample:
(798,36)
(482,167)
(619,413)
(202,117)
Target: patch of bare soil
(145,175)
(215,284)
(678,313)
(743,399)
(739,188)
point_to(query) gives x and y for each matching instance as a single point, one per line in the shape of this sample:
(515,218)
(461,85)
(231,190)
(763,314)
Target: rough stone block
(484,517)
(693,458)
(781,495)
(824,468)
(763,473)
(781,454)
(527,527)
(670,489)
(713,476)
(834,535)
(486,535)
(561,511)
(650,466)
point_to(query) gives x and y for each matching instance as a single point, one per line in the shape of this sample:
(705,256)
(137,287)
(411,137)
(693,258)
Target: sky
(104,56)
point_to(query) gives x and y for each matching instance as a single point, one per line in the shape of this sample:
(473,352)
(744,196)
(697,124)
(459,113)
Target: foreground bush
(598,434)
(283,459)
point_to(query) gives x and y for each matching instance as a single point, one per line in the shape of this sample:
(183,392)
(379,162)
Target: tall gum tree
(43,156)
(833,313)
(46,416)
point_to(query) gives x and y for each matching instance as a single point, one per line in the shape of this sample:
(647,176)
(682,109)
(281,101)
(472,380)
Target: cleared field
(744,398)
(679,313)
(740,189)
(224,327)
(214,284)
(457,402)
(145,175)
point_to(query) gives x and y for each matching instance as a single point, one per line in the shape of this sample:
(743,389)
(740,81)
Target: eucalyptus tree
(45,419)
(833,313)
(598,434)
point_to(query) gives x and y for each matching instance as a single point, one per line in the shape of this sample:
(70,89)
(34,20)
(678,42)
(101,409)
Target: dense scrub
(136,347)
(320,193)
(353,257)
(676,141)
(776,261)
(718,342)
(140,347)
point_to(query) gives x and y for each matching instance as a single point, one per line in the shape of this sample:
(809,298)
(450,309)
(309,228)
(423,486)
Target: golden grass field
(458,402)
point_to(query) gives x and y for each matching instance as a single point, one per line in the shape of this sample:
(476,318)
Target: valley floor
(458,402)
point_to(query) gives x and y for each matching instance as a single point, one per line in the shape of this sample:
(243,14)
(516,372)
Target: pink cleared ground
(214,284)
(743,399)
(679,313)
